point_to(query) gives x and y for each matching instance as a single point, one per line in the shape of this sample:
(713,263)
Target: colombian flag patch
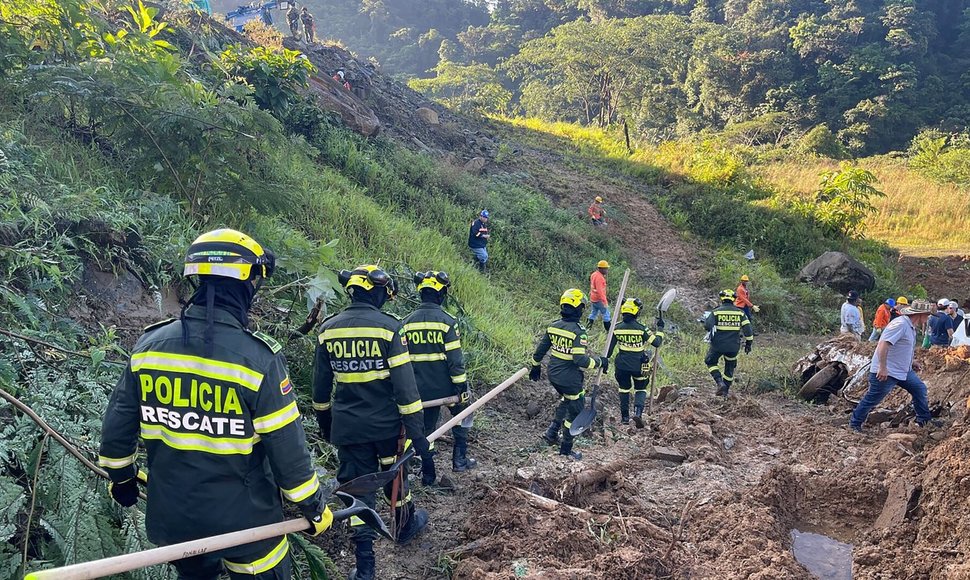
(286,386)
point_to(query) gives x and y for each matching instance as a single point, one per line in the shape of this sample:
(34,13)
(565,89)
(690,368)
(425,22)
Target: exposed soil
(755,468)
(945,276)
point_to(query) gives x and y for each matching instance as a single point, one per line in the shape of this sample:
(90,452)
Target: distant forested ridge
(874,72)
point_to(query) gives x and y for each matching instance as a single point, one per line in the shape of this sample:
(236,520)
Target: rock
(664,393)
(533,409)
(705,429)
(687,392)
(937,435)
(475,164)
(772,451)
(893,514)
(729,443)
(429,116)
(838,271)
(667,454)
(526,473)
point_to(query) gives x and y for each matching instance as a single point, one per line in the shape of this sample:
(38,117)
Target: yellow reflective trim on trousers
(560,355)
(206,367)
(358,332)
(731,358)
(560,332)
(264,564)
(573,397)
(453,345)
(429,357)
(321,406)
(410,408)
(387,460)
(399,359)
(443,327)
(714,368)
(625,390)
(112,463)
(302,491)
(728,378)
(567,424)
(458,379)
(196,442)
(749,338)
(403,502)
(277,420)
(364,377)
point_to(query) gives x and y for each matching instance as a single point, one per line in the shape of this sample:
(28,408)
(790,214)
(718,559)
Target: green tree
(844,200)
(475,87)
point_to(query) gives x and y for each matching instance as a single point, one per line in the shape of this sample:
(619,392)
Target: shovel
(585,418)
(374,481)
(136,560)
(665,301)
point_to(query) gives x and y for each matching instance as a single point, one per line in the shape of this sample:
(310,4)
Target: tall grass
(918,216)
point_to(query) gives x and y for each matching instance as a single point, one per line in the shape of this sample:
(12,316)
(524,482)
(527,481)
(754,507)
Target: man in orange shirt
(596,212)
(743,299)
(882,319)
(597,295)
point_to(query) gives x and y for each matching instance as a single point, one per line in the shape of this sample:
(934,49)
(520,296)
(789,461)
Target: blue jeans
(878,391)
(876,333)
(480,254)
(599,308)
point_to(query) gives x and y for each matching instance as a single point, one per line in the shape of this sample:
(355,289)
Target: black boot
(428,472)
(459,460)
(364,552)
(566,448)
(625,408)
(589,324)
(722,387)
(638,416)
(415,524)
(606,325)
(551,436)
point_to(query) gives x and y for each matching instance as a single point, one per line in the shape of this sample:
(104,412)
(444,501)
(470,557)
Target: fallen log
(641,525)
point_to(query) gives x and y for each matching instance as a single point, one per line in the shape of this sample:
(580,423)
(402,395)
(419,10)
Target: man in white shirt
(851,317)
(893,365)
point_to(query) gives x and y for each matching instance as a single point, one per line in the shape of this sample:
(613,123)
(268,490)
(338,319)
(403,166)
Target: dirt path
(755,469)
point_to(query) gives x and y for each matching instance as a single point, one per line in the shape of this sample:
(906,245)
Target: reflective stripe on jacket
(566,343)
(436,355)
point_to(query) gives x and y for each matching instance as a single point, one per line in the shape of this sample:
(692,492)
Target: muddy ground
(755,468)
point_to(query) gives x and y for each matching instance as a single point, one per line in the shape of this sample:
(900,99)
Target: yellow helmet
(602,264)
(902,301)
(744,278)
(599,199)
(367,277)
(229,254)
(727,295)
(573,297)
(631,306)
(434,280)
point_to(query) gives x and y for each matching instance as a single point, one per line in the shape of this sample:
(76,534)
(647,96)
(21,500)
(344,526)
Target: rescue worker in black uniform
(439,366)
(363,393)
(215,407)
(633,340)
(726,325)
(566,342)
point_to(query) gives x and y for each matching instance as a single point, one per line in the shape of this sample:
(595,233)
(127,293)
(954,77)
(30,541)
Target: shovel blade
(372,482)
(367,515)
(583,421)
(468,421)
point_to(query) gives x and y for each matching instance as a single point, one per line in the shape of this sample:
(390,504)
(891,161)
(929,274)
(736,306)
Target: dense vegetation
(873,71)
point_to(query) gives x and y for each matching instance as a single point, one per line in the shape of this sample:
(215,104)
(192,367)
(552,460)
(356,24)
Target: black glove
(605,363)
(747,346)
(125,493)
(421,446)
(660,323)
(464,394)
(325,420)
(535,373)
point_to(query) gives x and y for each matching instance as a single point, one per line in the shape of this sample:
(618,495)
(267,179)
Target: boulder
(429,116)
(838,271)
(475,164)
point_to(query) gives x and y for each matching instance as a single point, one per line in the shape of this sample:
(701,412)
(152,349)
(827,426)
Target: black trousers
(363,458)
(713,359)
(431,416)
(631,382)
(263,560)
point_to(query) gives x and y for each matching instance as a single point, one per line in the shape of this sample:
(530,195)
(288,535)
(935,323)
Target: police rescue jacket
(726,324)
(439,366)
(566,343)
(633,339)
(222,430)
(363,377)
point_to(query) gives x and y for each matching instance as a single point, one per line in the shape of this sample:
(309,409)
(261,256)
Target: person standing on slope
(566,341)
(366,399)
(293,19)
(726,325)
(850,316)
(597,296)
(214,404)
(743,300)
(308,27)
(633,340)
(478,238)
(439,366)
